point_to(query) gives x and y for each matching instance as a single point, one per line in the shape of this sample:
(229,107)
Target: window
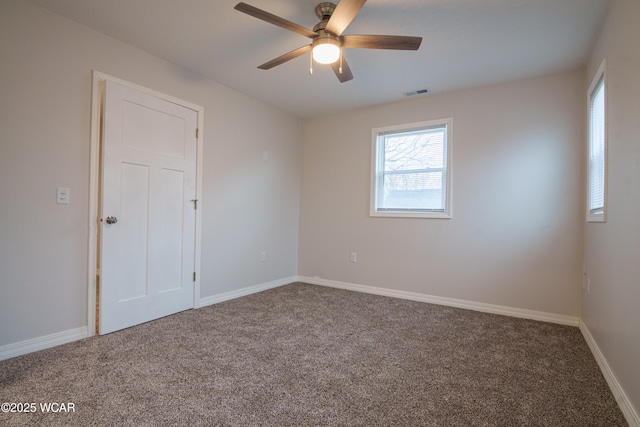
(411,170)
(597,180)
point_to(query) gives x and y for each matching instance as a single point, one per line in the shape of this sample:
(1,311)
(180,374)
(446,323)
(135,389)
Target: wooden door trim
(98,79)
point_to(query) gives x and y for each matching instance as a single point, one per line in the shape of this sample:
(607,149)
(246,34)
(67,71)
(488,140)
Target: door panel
(148,183)
(153,131)
(168,275)
(131,231)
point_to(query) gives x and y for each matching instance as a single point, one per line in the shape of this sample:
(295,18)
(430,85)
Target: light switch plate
(62,196)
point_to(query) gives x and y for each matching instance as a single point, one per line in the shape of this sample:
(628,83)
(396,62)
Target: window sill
(597,218)
(398,214)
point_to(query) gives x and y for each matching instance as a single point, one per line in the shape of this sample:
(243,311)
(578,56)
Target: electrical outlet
(263,256)
(589,286)
(354,257)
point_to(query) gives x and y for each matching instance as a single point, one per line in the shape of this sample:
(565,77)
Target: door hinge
(197,133)
(195,203)
(194,276)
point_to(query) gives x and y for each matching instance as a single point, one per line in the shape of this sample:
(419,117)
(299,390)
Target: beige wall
(515,236)
(249,205)
(612,250)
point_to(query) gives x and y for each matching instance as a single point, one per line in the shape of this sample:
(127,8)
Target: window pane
(415,150)
(596,149)
(414,170)
(413,191)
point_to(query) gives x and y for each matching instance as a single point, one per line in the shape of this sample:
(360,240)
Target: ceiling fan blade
(342,16)
(346,73)
(273,19)
(286,57)
(381,42)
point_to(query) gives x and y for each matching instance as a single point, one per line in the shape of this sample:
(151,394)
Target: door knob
(111,220)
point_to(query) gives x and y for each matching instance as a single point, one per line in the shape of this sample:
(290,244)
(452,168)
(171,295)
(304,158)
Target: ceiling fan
(327,39)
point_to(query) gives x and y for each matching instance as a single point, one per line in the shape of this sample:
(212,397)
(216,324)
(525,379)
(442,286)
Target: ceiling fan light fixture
(326,50)
(327,39)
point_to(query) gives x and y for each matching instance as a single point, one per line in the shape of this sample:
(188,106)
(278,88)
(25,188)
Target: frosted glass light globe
(326,53)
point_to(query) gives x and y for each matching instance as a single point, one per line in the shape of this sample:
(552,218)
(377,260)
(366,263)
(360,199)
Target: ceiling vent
(417,92)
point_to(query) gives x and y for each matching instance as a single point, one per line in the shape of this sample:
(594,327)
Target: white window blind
(411,170)
(596,196)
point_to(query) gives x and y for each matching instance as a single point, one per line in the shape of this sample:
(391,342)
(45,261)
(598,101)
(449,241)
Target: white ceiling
(466,43)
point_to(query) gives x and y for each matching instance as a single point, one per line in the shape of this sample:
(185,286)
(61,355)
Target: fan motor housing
(325,37)
(324,10)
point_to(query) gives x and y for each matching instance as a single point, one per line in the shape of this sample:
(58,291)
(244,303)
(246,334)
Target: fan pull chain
(311,64)
(340,70)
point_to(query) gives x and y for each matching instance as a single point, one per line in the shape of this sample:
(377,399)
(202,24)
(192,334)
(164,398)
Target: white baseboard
(629,412)
(451,302)
(28,346)
(226,296)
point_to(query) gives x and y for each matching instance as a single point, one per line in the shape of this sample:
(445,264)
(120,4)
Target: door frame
(97,84)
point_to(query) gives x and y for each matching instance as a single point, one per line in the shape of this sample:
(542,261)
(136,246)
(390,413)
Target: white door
(147,241)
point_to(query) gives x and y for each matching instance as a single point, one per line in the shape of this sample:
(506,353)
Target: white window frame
(377,164)
(600,77)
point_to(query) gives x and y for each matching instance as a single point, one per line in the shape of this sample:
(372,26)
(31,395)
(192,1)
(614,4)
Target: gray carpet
(303,355)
